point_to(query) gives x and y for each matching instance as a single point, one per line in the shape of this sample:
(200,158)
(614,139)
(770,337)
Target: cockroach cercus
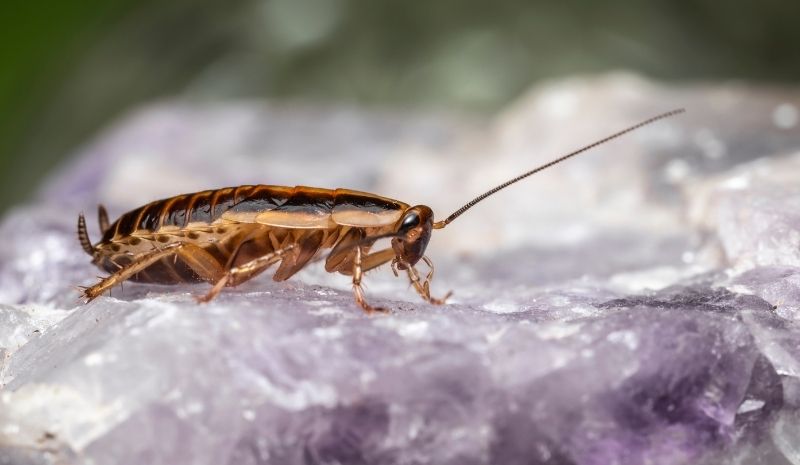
(228,236)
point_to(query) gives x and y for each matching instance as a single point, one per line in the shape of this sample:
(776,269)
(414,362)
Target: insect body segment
(413,235)
(228,236)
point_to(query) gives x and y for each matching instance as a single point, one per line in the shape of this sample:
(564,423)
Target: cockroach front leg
(139,264)
(239,274)
(423,288)
(358,291)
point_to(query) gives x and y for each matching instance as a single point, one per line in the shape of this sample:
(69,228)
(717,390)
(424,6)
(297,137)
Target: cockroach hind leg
(214,292)
(127,272)
(89,293)
(239,274)
(82,297)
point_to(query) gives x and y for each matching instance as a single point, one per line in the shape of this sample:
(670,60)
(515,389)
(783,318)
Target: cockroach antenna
(471,203)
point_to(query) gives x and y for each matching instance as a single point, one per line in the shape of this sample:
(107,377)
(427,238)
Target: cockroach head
(413,232)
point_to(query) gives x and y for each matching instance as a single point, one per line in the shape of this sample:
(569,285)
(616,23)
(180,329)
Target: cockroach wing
(305,208)
(299,257)
(362,219)
(364,210)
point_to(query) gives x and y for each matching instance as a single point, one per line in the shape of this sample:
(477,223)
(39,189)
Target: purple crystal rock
(635,305)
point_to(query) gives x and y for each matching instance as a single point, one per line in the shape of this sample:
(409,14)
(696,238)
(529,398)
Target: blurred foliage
(68,68)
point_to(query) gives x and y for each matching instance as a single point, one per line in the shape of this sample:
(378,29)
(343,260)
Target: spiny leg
(358,291)
(376,259)
(423,287)
(368,262)
(139,264)
(201,262)
(239,274)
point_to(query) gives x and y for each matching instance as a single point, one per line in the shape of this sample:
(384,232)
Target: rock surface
(638,304)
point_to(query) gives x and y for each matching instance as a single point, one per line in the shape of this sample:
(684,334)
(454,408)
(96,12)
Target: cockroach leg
(142,262)
(258,264)
(428,280)
(368,262)
(201,262)
(358,291)
(376,259)
(423,287)
(428,262)
(239,274)
(215,290)
(119,267)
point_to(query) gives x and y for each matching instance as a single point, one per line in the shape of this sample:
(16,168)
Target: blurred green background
(69,68)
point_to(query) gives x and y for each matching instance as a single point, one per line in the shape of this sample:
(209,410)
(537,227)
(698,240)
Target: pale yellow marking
(364,219)
(169,229)
(197,226)
(240,217)
(295,220)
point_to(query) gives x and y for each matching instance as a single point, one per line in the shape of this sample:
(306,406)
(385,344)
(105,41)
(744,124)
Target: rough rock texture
(640,304)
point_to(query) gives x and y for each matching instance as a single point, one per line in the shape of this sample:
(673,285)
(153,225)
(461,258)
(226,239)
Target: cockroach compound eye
(228,236)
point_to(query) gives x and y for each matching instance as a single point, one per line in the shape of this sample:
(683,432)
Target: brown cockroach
(228,236)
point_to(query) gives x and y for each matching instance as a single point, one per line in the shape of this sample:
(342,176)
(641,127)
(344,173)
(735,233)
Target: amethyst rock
(638,304)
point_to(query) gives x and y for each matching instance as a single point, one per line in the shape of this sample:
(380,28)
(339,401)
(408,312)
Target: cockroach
(228,236)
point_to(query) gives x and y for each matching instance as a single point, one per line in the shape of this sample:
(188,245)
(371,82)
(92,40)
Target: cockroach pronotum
(228,236)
